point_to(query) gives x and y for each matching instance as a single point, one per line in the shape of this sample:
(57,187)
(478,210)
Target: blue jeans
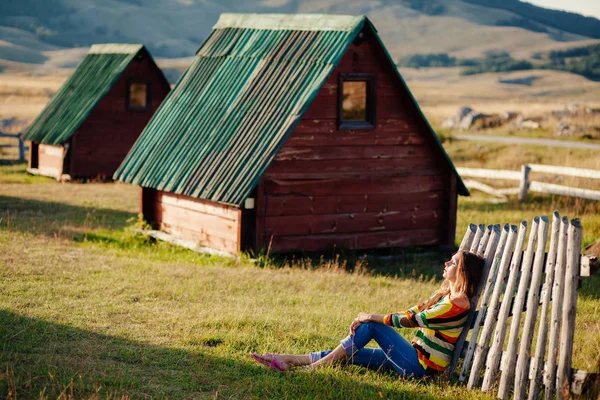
(395,352)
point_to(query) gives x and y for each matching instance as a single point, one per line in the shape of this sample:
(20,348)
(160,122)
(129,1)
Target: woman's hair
(468,273)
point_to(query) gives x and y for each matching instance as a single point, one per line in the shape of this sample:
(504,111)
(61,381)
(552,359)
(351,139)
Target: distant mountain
(35,31)
(537,18)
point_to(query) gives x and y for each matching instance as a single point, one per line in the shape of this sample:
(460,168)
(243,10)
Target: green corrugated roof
(218,130)
(78,96)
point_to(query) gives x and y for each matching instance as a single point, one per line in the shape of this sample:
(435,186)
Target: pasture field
(88,309)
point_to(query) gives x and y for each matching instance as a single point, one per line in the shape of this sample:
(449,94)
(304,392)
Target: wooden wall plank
(384,125)
(336,204)
(199,205)
(202,238)
(206,223)
(357,138)
(290,153)
(197,221)
(355,241)
(330,169)
(401,186)
(351,223)
(50,158)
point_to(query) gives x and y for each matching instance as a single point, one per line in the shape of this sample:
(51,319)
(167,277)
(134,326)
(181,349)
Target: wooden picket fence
(525,184)
(525,288)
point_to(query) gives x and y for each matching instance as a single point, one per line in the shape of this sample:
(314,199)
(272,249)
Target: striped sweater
(439,328)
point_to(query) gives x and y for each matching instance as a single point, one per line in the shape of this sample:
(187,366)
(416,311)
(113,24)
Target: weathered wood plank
(538,360)
(403,186)
(484,240)
(491,311)
(557,299)
(328,169)
(490,173)
(478,235)
(559,170)
(50,160)
(201,238)
(491,266)
(569,310)
(213,225)
(309,126)
(351,223)
(290,153)
(490,250)
(501,314)
(199,205)
(359,203)
(355,241)
(378,137)
(469,237)
(533,301)
(564,190)
(510,357)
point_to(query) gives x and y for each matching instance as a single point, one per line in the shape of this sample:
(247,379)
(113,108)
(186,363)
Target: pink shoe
(273,364)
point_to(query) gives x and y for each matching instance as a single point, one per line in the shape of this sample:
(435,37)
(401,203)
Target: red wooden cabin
(93,120)
(359,167)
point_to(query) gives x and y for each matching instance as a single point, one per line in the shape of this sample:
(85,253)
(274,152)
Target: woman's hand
(362,317)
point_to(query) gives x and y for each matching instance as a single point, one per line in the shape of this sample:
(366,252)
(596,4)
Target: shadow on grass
(45,359)
(412,262)
(589,287)
(56,219)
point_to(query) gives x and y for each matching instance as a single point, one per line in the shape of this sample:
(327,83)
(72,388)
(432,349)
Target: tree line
(583,61)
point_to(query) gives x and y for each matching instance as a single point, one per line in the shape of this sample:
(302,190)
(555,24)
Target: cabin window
(356,101)
(138,96)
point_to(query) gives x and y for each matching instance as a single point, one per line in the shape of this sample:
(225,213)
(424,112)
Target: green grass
(89,309)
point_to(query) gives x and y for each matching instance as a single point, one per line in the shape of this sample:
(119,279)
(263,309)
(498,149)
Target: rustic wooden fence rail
(20,143)
(525,184)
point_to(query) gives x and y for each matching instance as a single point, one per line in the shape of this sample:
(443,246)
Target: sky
(590,8)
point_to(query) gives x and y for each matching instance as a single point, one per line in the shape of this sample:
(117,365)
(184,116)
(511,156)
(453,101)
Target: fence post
(524,183)
(21,148)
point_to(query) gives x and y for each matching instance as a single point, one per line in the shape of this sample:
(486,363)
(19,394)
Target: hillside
(39,32)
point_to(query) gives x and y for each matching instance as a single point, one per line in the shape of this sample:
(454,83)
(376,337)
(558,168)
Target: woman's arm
(365,317)
(400,320)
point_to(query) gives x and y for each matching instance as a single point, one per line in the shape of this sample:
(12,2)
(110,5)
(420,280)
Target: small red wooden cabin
(297,133)
(93,120)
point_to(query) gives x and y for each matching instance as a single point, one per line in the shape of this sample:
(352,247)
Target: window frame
(371,107)
(148,97)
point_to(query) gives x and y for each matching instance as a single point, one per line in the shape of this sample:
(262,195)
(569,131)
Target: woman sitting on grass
(440,321)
